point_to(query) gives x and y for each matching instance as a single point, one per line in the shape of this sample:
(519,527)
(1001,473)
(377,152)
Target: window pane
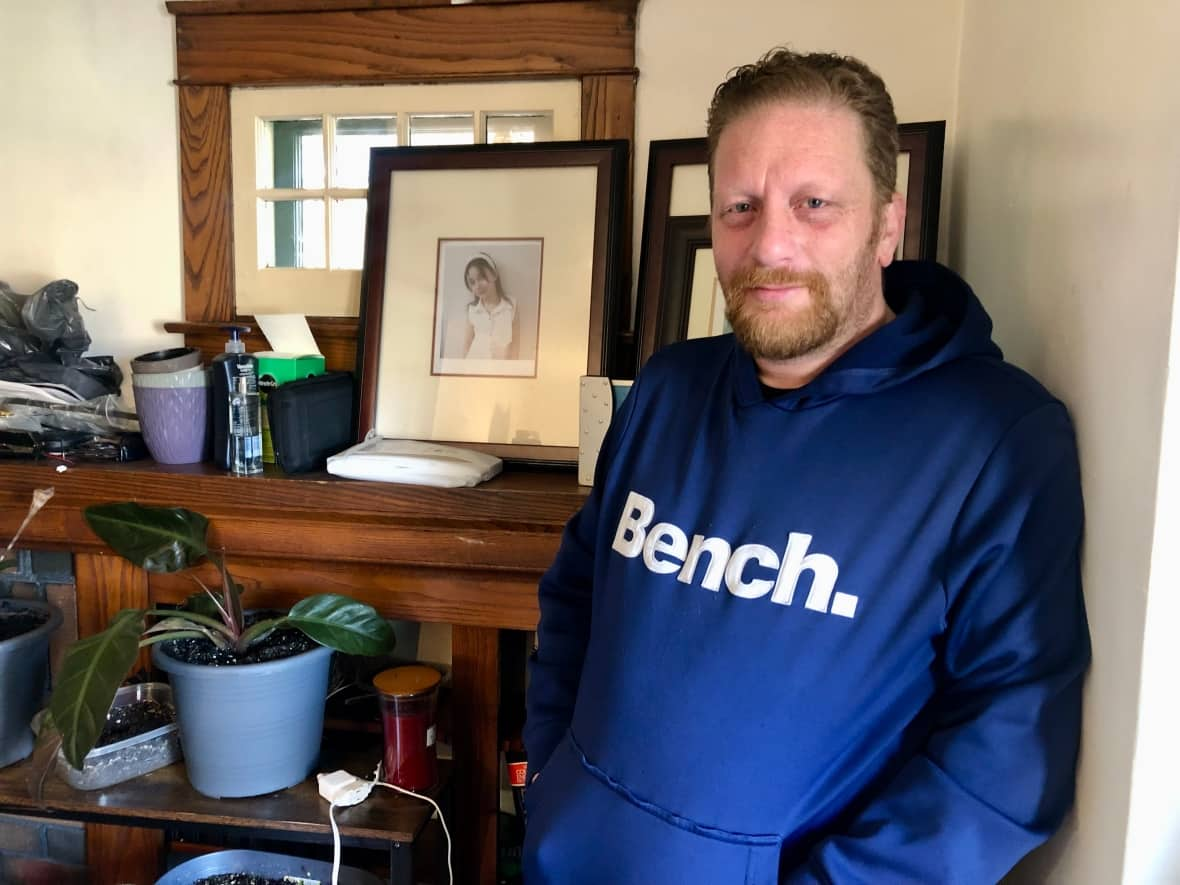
(348,234)
(296,158)
(291,233)
(428,129)
(501,128)
(354,137)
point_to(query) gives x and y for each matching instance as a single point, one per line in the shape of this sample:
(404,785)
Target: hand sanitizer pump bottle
(227,368)
(245,430)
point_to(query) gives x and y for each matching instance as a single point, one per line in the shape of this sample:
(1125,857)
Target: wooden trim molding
(225,43)
(549,39)
(206,199)
(336,337)
(226,7)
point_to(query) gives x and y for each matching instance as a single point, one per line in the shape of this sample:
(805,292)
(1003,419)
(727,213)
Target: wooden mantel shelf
(416,552)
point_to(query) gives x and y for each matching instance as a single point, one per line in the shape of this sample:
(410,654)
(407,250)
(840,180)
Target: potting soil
(15,620)
(138,717)
(279,644)
(242,879)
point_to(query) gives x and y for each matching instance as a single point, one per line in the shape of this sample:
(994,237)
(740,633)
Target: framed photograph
(678,289)
(490,286)
(487,307)
(919,178)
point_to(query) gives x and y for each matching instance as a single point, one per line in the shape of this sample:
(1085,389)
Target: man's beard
(774,332)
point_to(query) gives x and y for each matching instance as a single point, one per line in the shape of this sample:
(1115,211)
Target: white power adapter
(341,788)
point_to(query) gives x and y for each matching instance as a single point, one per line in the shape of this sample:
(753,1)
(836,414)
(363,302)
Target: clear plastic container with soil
(140,735)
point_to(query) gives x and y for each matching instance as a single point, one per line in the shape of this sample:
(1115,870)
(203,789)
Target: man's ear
(892,225)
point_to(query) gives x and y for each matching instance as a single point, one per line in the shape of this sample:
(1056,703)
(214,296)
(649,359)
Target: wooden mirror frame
(221,44)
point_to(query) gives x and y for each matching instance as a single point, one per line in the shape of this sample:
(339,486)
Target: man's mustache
(774,277)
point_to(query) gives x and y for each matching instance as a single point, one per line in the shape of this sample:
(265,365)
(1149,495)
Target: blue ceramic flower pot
(24,666)
(250,729)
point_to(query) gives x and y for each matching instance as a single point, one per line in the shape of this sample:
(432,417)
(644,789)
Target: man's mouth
(776,293)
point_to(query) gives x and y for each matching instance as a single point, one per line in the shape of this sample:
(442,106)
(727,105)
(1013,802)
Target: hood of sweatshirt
(938,320)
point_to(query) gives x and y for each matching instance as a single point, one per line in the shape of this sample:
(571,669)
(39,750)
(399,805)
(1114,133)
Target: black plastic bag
(89,377)
(43,339)
(51,314)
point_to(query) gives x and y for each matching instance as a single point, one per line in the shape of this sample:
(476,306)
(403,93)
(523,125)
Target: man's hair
(819,77)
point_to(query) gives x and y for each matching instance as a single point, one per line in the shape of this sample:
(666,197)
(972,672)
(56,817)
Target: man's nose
(778,237)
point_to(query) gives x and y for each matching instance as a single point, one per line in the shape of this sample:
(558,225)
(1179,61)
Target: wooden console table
(164,798)
(466,557)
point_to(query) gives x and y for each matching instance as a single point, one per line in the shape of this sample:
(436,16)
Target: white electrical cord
(343,789)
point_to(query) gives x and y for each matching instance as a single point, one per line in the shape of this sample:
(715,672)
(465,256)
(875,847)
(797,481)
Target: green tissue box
(278,368)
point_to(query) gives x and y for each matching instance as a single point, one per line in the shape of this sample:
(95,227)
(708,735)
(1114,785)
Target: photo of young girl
(487,307)
(491,317)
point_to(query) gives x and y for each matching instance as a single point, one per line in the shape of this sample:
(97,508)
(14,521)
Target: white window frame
(327,292)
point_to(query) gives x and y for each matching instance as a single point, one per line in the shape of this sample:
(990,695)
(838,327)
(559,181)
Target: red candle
(408,698)
(411,760)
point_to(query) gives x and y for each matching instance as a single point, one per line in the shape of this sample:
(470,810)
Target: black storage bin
(311,419)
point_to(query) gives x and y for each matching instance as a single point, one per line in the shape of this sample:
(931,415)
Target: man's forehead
(792,132)
(795,114)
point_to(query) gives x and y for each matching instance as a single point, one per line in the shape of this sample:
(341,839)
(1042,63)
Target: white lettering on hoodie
(665,549)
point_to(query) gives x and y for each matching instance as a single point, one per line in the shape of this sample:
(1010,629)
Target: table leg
(123,854)
(105,584)
(401,863)
(475,655)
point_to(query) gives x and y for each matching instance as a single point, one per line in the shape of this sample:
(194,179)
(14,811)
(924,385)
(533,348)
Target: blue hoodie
(831,635)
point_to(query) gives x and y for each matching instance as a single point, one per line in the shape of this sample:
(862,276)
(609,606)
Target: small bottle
(227,368)
(245,430)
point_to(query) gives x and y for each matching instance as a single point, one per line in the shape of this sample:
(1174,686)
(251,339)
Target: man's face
(797,236)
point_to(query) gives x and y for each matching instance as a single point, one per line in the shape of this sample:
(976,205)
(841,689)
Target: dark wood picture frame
(669,243)
(924,143)
(609,160)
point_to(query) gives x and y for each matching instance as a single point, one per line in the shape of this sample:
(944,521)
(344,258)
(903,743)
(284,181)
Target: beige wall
(88,168)
(1064,217)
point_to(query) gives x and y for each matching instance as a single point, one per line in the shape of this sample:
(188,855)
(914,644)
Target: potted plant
(252,866)
(249,688)
(25,628)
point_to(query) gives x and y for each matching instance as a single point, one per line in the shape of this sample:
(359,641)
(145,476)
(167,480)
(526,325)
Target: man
(820,619)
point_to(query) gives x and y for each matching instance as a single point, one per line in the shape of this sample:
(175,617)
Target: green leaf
(178,634)
(231,601)
(174,627)
(342,624)
(159,539)
(90,675)
(259,632)
(203,603)
(43,758)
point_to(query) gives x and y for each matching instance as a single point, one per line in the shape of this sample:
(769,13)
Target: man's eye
(815,203)
(739,207)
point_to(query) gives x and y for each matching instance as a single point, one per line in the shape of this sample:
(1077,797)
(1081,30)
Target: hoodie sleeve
(995,776)
(565,598)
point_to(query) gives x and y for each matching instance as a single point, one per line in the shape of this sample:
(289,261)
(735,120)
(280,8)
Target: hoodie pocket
(584,831)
